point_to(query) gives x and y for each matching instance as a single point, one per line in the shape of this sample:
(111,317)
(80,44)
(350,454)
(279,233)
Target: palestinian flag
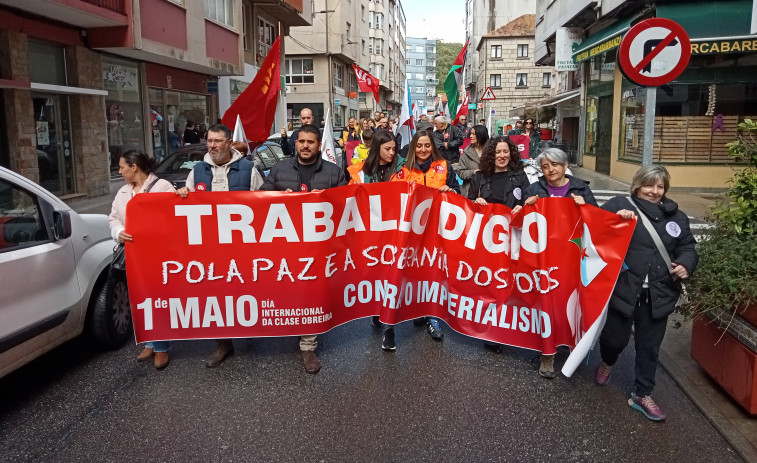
(454,80)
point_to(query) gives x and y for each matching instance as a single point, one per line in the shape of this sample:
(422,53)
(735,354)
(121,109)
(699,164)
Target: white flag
(328,152)
(239,131)
(405,127)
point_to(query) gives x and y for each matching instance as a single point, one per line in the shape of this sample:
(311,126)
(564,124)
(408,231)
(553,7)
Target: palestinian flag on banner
(454,80)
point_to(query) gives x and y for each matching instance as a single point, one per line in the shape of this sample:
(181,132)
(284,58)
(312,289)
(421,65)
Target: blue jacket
(239,175)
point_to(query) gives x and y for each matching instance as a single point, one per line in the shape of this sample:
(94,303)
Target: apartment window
(496,51)
(220,11)
(347,33)
(299,71)
(362,12)
(431,50)
(338,75)
(408,48)
(495,80)
(521,80)
(247,25)
(353,82)
(419,49)
(380,21)
(375,46)
(266,37)
(545,79)
(407,62)
(431,62)
(419,76)
(362,44)
(419,62)
(370,19)
(522,51)
(419,89)
(376,70)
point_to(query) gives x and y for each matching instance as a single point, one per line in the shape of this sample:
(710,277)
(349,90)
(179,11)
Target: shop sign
(609,44)
(121,78)
(710,47)
(567,40)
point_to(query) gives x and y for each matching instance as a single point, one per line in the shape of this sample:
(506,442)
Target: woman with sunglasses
(534,136)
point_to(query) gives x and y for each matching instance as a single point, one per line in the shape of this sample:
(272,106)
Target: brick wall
(19,111)
(88,117)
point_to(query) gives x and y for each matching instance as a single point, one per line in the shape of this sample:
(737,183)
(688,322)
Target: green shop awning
(703,20)
(602,41)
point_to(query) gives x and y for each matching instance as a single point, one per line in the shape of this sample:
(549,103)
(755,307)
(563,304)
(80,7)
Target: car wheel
(110,317)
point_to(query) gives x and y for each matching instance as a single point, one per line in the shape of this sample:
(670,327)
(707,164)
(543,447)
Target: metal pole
(649,116)
(328,55)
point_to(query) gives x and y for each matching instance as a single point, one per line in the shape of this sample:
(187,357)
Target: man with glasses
(222,169)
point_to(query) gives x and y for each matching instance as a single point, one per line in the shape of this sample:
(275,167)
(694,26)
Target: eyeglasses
(529,123)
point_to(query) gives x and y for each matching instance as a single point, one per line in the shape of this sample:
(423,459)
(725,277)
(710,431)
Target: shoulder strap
(655,236)
(148,187)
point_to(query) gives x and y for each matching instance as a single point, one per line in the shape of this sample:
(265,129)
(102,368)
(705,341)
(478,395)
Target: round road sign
(654,52)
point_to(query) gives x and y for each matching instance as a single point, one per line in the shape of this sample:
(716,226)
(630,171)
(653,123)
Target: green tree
(446,53)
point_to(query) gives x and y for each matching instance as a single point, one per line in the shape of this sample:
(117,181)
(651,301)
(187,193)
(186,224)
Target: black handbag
(119,251)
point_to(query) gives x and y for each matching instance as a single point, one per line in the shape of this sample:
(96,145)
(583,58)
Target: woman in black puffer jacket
(647,288)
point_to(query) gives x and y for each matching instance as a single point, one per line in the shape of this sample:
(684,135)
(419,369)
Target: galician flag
(406,127)
(454,80)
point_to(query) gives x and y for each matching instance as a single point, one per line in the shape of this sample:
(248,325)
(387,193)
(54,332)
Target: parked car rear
(54,265)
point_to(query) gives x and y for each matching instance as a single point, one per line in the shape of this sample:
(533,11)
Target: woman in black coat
(647,288)
(501,179)
(555,183)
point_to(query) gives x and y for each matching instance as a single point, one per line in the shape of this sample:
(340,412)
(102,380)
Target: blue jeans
(158,346)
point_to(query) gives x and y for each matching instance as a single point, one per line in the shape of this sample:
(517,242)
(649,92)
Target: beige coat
(117,217)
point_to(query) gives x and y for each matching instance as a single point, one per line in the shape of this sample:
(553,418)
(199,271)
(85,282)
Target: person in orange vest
(426,166)
(382,161)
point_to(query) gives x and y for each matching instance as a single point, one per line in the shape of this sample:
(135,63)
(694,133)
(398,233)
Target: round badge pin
(517,193)
(201,187)
(673,229)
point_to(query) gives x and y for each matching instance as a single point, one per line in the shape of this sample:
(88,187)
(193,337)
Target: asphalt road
(428,401)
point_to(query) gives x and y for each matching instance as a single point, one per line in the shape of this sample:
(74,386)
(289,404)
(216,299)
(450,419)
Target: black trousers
(648,334)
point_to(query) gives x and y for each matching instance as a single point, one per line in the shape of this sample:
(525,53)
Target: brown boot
(312,364)
(161,360)
(224,348)
(145,354)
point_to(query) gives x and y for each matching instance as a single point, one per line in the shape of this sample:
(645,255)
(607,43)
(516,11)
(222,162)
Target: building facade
(319,59)
(421,72)
(481,17)
(695,115)
(83,81)
(506,65)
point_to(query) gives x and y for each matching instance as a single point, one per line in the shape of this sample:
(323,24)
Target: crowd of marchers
(489,170)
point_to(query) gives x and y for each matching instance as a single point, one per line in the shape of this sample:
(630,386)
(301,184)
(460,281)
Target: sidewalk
(738,427)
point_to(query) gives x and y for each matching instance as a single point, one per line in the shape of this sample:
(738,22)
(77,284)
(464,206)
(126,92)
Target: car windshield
(267,157)
(180,162)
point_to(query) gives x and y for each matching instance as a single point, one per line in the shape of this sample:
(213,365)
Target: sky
(435,19)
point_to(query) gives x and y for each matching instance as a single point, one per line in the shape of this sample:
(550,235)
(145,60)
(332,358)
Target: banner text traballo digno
(244,264)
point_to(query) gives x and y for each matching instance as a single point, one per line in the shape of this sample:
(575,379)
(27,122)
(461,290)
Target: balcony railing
(114,5)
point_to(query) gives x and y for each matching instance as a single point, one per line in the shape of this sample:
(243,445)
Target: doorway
(604,134)
(55,153)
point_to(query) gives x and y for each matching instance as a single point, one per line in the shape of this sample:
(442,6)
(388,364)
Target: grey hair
(440,119)
(553,155)
(649,175)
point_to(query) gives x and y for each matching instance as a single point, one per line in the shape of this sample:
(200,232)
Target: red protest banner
(245,264)
(366,82)
(522,142)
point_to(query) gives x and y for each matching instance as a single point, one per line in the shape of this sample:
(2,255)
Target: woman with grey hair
(555,183)
(660,255)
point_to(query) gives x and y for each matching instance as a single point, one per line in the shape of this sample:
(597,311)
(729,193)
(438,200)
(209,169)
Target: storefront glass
(598,131)
(170,112)
(123,109)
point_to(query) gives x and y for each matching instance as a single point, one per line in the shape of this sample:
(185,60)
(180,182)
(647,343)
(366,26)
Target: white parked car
(54,265)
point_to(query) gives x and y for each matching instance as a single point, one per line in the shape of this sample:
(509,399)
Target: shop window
(123,109)
(299,71)
(47,64)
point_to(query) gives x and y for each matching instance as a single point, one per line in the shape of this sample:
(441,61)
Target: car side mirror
(61,225)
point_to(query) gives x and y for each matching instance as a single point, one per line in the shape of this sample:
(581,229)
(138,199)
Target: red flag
(462,110)
(367,82)
(256,106)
